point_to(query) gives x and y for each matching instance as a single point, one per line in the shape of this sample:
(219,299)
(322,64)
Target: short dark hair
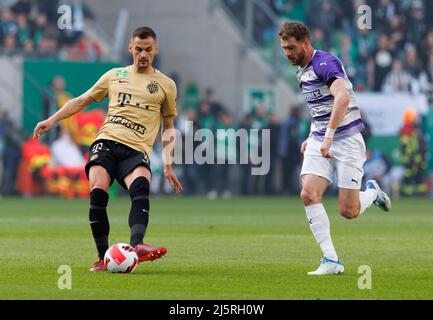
(143,33)
(294,29)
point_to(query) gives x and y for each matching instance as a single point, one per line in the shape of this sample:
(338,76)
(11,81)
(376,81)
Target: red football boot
(98,266)
(148,253)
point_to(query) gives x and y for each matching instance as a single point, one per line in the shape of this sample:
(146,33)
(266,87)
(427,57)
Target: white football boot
(328,267)
(382,200)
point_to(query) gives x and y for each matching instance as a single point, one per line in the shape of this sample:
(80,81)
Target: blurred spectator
(263,29)
(22,7)
(348,53)
(65,152)
(289,146)
(189,176)
(260,122)
(379,63)
(215,106)
(39,28)
(426,79)
(384,12)
(24,32)
(274,129)
(225,153)
(322,14)
(398,79)
(206,120)
(13,138)
(416,26)
(427,48)
(396,33)
(413,67)
(54,98)
(246,177)
(8,25)
(10,46)
(377,167)
(48,8)
(413,150)
(366,46)
(158,184)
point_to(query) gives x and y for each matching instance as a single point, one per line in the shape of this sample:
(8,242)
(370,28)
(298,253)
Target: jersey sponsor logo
(127,123)
(122,73)
(310,96)
(97,147)
(124,98)
(153,87)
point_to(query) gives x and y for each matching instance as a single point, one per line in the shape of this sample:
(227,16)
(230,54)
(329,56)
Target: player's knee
(139,189)
(309,197)
(349,212)
(98,198)
(100,186)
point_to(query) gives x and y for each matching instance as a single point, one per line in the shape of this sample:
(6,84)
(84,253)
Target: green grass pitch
(249,248)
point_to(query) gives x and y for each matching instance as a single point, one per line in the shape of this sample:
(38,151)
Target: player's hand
(42,127)
(172,178)
(303,146)
(325,148)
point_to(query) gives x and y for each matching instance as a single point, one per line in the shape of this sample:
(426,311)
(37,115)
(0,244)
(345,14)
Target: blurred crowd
(55,165)
(30,28)
(395,55)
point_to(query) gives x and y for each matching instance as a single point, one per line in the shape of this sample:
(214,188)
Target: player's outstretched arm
(168,139)
(70,108)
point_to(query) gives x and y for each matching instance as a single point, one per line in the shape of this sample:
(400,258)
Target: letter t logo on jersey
(123,98)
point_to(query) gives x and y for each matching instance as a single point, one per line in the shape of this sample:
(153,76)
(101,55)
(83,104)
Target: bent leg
(348,203)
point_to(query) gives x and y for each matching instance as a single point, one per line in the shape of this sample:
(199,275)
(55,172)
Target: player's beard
(142,65)
(299,59)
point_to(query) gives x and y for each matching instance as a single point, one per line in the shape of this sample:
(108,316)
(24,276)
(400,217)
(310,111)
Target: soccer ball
(120,258)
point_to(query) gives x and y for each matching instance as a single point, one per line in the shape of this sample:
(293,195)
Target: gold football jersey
(136,103)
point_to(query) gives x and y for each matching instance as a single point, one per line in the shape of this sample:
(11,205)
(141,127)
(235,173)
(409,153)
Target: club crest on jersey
(152,87)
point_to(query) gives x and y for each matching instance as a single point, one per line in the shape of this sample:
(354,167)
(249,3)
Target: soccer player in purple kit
(335,143)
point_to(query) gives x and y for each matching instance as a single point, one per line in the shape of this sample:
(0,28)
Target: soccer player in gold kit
(139,95)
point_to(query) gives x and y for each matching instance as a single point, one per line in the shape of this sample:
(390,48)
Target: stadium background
(230,72)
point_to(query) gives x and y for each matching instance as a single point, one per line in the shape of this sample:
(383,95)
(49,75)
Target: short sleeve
(329,69)
(169,105)
(100,89)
